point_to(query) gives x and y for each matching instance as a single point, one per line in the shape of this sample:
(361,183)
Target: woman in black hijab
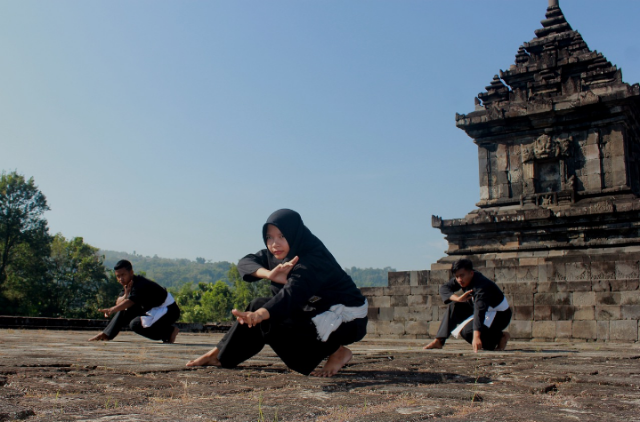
(316,309)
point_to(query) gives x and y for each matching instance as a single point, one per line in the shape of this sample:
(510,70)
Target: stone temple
(558,222)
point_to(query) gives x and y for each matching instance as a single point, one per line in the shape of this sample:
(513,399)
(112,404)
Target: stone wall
(553,299)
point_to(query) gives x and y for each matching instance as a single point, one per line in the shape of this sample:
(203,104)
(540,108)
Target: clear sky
(174,128)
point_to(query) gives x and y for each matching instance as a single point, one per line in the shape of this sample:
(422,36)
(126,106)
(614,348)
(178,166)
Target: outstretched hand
(251,318)
(280,273)
(107,312)
(466,296)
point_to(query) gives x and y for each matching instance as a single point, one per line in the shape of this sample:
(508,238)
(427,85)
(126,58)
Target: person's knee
(136,325)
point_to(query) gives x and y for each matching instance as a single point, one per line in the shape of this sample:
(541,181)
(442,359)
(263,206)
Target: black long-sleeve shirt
(146,293)
(485,294)
(311,287)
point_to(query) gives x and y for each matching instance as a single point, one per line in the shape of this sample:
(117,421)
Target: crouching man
(479,314)
(144,305)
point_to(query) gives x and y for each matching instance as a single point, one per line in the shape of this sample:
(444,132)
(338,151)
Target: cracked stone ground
(59,376)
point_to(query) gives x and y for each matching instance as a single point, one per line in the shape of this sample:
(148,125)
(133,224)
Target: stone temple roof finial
(553,3)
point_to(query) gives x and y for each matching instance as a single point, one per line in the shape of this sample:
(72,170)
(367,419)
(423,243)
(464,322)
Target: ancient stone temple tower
(558,221)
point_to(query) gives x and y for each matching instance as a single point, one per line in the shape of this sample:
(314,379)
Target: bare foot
(208,359)
(99,337)
(435,344)
(335,362)
(172,338)
(503,341)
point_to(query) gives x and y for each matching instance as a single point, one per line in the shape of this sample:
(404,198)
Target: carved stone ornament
(545,148)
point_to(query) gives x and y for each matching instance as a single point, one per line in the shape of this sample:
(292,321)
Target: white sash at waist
(154,314)
(488,317)
(329,321)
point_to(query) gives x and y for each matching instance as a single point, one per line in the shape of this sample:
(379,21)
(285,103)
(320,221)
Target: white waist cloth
(154,314)
(329,321)
(488,317)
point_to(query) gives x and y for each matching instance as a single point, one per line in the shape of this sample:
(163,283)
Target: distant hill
(170,272)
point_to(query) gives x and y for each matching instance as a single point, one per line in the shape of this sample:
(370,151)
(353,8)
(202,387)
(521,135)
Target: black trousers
(457,312)
(295,341)
(160,330)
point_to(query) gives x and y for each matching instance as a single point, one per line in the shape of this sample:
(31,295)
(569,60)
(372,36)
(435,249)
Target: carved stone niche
(545,164)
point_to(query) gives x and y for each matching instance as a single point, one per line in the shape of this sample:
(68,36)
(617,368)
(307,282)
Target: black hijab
(317,272)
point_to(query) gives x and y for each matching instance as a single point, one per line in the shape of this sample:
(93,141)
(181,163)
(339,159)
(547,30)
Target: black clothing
(315,283)
(160,330)
(457,312)
(145,294)
(295,341)
(485,294)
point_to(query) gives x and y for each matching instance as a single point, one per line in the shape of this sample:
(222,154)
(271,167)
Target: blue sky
(174,128)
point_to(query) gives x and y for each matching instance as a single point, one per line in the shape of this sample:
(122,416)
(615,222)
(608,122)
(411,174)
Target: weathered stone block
(602,328)
(544,329)
(542,312)
(523,312)
(414,300)
(562,313)
(372,313)
(544,273)
(422,315)
(419,278)
(630,311)
(397,290)
(547,287)
(630,298)
(605,312)
(527,274)
(583,299)
(584,313)
(416,327)
(398,300)
(624,285)
(577,271)
(505,274)
(603,270)
(579,286)
(600,286)
(401,313)
(386,328)
(610,298)
(552,299)
(379,301)
(400,278)
(521,330)
(425,290)
(626,270)
(559,271)
(433,328)
(584,329)
(521,300)
(371,291)
(371,328)
(522,288)
(385,314)
(440,276)
(623,330)
(563,329)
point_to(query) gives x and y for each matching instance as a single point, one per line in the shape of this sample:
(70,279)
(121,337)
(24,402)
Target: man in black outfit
(144,305)
(479,314)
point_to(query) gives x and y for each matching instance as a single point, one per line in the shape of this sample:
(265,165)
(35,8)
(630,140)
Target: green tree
(76,274)
(22,225)
(217,302)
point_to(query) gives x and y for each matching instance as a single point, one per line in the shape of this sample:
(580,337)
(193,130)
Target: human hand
(127,290)
(476,343)
(466,296)
(107,312)
(251,318)
(280,273)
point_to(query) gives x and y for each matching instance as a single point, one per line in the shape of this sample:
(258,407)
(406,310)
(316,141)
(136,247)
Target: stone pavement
(59,376)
